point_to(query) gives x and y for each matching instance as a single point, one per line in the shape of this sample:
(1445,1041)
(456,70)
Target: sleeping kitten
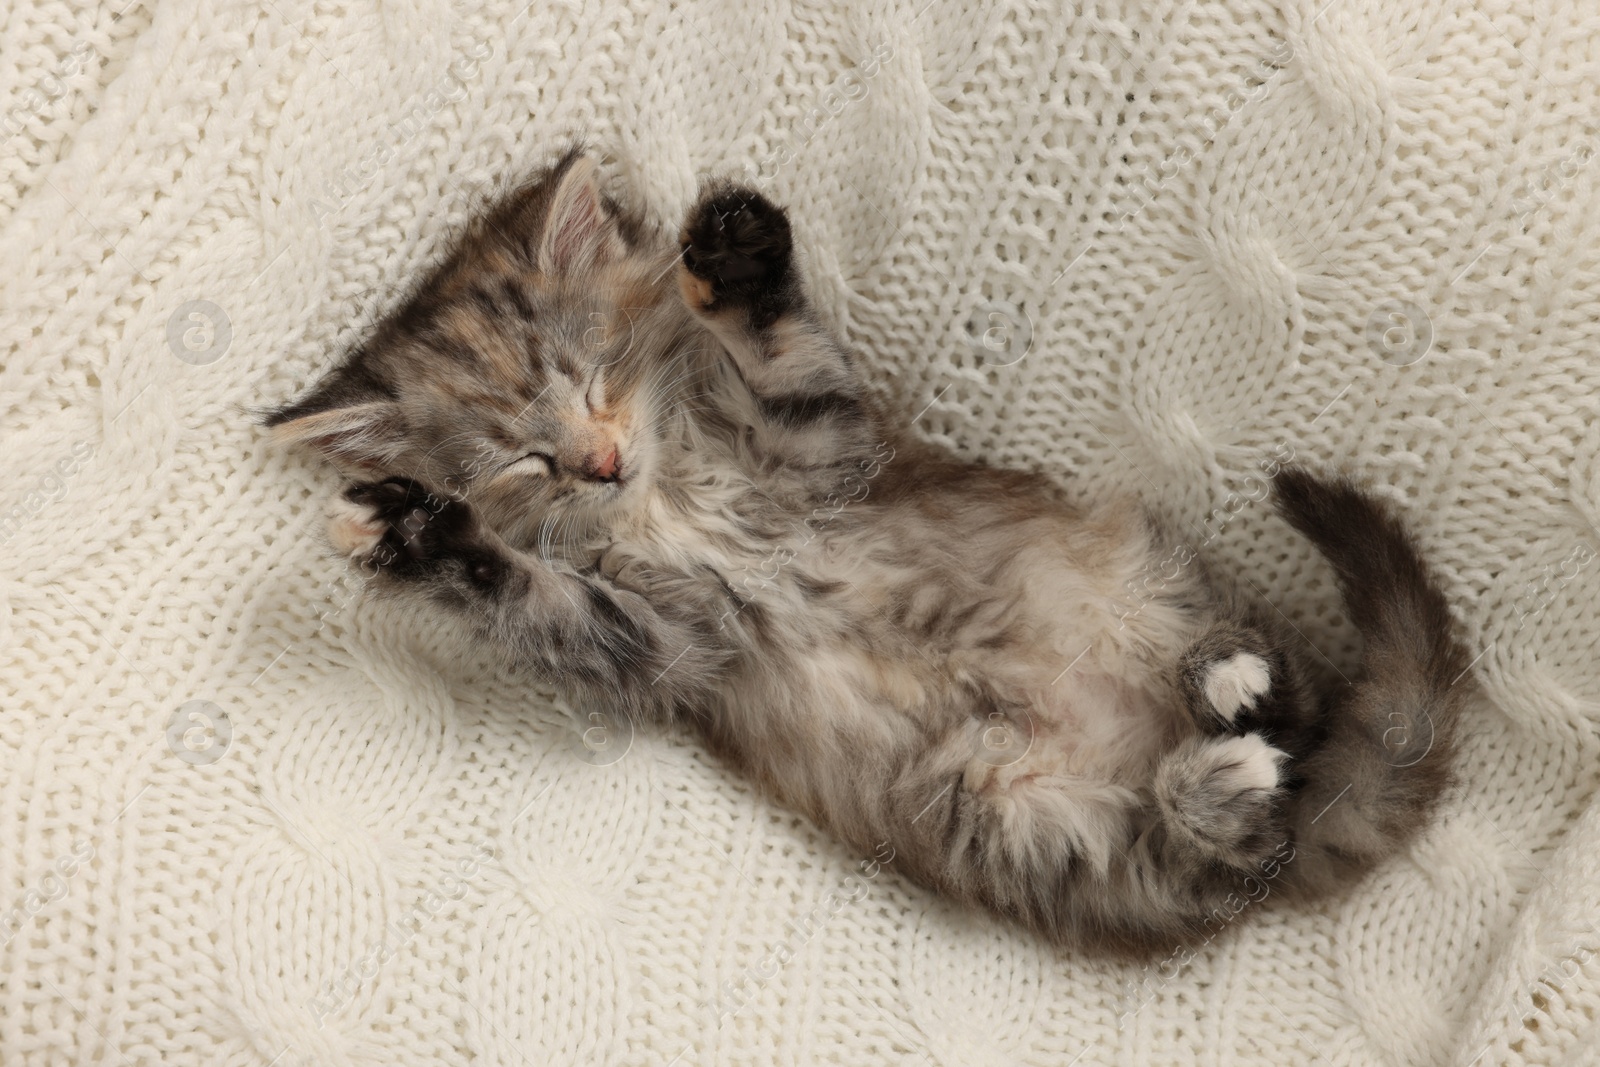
(652,474)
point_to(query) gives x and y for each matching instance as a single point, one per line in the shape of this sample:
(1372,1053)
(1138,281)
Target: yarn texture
(251,814)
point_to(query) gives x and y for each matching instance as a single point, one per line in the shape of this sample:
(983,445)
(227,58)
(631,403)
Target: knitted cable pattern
(249,815)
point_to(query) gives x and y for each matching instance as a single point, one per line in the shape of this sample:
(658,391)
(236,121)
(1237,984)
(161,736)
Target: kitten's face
(521,377)
(531,394)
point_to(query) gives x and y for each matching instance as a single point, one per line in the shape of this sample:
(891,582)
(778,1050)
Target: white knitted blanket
(250,816)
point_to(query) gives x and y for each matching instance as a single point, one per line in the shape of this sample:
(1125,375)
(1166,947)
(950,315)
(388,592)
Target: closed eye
(540,463)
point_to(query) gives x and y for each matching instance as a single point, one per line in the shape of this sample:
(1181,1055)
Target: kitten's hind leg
(740,278)
(1092,860)
(1222,797)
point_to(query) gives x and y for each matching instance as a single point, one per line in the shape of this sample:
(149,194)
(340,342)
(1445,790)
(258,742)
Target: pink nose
(605,468)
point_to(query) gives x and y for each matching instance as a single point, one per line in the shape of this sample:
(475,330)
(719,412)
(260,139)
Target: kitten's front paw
(1221,797)
(398,527)
(354,530)
(418,525)
(426,536)
(737,252)
(623,568)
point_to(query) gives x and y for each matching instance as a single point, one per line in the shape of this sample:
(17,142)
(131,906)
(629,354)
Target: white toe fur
(1233,684)
(353,528)
(1247,762)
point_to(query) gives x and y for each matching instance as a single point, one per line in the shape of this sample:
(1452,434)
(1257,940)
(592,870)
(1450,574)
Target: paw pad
(737,244)
(413,524)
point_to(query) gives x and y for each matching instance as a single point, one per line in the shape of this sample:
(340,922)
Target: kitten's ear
(577,230)
(351,421)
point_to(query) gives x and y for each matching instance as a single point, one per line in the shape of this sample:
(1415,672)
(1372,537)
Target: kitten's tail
(1391,735)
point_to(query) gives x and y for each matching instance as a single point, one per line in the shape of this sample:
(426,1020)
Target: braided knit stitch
(249,816)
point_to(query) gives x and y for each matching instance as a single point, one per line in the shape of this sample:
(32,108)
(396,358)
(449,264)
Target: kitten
(651,473)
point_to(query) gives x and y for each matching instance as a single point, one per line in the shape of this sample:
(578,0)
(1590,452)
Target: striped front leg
(739,277)
(595,636)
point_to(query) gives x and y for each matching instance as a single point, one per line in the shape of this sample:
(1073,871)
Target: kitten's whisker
(685,376)
(544,537)
(687,415)
(563,525)
(682,360)
(690,411)
(554,531)
(681,404)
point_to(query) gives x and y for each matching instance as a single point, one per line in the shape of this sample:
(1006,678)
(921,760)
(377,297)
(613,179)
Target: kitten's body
(664,486)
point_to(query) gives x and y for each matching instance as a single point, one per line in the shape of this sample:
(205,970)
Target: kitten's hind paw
(1234,683)
(1221,797)
(737,252)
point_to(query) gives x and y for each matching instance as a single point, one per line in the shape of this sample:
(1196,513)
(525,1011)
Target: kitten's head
(528,374)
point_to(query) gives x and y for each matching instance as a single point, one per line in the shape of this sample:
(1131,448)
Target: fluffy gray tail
(1391,734)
